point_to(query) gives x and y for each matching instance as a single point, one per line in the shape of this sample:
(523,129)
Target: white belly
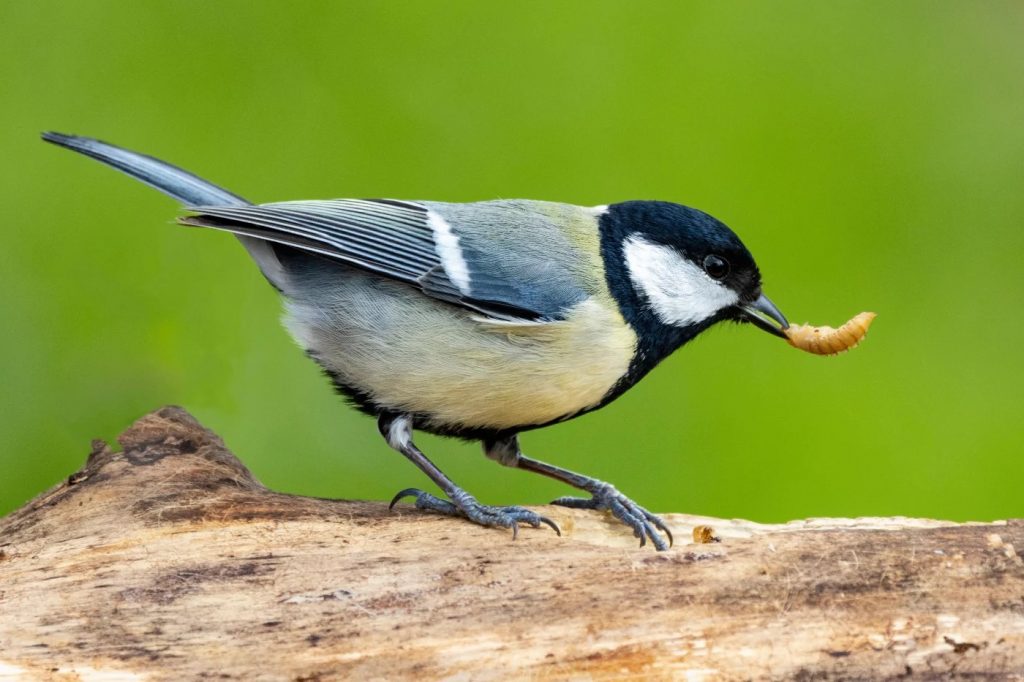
(414,354)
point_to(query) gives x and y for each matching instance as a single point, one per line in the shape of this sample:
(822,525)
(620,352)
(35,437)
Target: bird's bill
(757,312)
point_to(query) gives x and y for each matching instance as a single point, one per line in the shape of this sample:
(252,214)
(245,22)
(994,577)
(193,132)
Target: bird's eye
(716,266)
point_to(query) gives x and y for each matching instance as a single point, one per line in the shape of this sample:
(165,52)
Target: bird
(482,320)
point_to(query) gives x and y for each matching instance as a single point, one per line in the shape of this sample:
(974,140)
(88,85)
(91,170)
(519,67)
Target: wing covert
(413,243)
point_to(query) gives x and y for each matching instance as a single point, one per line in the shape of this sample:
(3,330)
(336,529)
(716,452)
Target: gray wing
(448,259)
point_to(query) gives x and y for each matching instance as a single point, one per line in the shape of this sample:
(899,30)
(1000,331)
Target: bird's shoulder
(530,240)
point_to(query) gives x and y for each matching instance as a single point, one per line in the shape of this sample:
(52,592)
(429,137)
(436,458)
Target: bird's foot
(644,524)
(466,506)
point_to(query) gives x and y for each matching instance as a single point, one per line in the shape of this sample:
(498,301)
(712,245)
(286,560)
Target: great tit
(482,320)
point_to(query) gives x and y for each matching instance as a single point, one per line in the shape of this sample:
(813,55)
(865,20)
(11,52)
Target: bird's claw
(644,524)
(466,506)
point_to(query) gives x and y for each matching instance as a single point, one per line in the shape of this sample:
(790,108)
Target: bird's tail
(171,180)
(179,184)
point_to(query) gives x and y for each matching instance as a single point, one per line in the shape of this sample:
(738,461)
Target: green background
(871,155)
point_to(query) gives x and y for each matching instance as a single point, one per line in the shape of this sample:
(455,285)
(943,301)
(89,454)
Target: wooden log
(169,561)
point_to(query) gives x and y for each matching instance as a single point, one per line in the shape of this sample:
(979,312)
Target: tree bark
(169,561)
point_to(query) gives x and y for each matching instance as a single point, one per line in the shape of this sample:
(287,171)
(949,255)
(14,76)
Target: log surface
(169,561)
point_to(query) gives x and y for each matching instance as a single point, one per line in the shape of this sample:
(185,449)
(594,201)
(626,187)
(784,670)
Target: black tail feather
(179,184)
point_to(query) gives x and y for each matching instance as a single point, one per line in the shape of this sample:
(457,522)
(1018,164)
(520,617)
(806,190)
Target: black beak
(756,312)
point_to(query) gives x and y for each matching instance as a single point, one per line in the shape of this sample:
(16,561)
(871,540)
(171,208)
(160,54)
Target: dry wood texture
(169,561)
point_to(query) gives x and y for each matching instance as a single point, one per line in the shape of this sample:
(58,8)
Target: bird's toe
(646,526)
(466,506)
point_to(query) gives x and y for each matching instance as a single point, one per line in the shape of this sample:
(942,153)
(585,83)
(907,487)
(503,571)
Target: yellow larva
(826,340)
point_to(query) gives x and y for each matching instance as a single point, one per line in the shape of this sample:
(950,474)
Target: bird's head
(675,271)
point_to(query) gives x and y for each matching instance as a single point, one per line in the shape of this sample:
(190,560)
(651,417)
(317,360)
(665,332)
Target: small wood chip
(704,535)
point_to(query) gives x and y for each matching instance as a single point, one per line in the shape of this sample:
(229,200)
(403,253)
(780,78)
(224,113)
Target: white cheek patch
(678,291)
(446,243)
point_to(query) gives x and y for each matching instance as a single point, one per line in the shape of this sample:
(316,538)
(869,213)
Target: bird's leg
(603,495)
(397,430)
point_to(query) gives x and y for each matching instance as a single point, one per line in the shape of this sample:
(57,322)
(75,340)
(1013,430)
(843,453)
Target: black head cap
(700,240)
(696,236)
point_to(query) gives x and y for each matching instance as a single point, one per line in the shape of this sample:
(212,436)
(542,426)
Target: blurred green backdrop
(870,155)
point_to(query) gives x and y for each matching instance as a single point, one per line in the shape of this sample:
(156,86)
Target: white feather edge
(513,324)
(446,243)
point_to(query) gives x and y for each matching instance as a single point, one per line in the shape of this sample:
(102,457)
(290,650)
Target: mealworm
(829,341)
